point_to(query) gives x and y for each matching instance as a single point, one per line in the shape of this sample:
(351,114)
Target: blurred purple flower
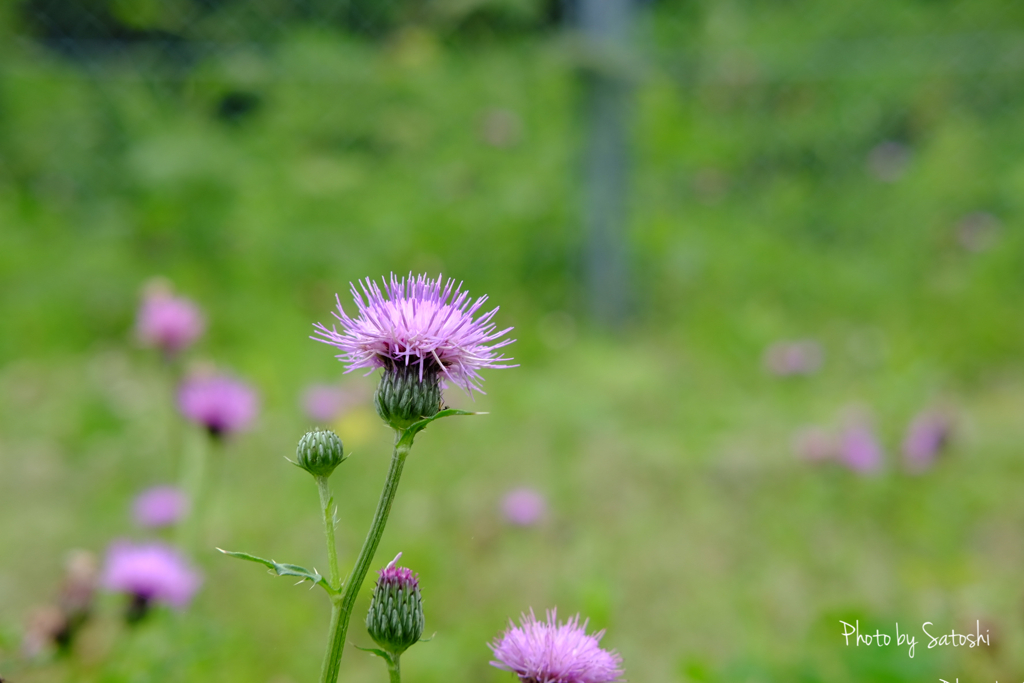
(814,444)
(859,448)
(324,402)
(927,434)
(159,506)
(524,506)
(167,322)
(978,231)
(418,322)
(549,652)
(888,161)
(799,357)
(47,627)
(58,625)
(501,128)
(221,404)
(150,573)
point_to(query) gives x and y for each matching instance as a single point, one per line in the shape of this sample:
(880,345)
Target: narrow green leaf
(283,569)
(380,653)
(416,427)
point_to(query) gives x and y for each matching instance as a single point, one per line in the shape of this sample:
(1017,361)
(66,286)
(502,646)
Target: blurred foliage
(848,172)
(89,24)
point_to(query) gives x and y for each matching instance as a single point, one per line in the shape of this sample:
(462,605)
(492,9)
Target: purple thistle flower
(814,444)
(159,506)
(393,576)
(418,323)
(927,434)
(167,322)
(549,652)
(859,449)
(801,357)
(221,404)
(150,573)
(324,402)
(978,231)
(888,161)
(395,620)
(524,506)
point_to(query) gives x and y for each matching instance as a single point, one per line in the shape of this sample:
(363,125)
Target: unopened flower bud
(395,619)
(404,396)
(319,452)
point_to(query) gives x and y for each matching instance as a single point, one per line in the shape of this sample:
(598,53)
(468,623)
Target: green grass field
(680,518)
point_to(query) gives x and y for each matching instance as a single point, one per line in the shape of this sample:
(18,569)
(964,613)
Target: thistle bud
(395,619)
(319,452)
(404,397)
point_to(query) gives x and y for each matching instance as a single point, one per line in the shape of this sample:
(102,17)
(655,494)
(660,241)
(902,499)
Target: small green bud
(319,452)
(395,619)
(402,398)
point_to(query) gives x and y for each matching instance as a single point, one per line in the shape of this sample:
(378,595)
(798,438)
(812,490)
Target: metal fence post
(605,26)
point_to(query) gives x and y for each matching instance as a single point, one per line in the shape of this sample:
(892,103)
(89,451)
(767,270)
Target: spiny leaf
(416,427)
(380,653)
(282,569)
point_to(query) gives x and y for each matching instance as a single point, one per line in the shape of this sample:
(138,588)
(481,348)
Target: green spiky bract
(319,452)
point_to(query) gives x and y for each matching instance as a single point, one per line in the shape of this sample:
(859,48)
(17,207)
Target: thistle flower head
(221,404)
(319,452)
(552,652)
(792,358)
(859,449)
(927,434)
(324,402)
(81,578)
(167,322)
(395,620)
(524,506)
(59,624)
(159,506)
(150,572)
(393,576)
(814,444)
(421,324)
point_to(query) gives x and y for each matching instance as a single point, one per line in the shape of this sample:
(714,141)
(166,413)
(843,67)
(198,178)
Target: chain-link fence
(580,141)
(811,213)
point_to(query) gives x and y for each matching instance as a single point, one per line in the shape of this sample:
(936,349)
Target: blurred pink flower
(799,357)
(524,506)
(159,506)
(324,402)
(501,128)
(221,404)
(888,161)
(927,434)
(859,448)
(167,322)
(550,652)
(978,231)
(814,444)
(150,573)
(58,625)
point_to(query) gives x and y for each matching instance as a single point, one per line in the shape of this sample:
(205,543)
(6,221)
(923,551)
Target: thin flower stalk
(343,602)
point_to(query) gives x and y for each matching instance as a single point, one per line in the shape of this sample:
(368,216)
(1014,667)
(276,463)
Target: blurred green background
(848,173)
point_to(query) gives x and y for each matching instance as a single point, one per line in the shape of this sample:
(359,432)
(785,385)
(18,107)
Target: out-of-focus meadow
(852,175)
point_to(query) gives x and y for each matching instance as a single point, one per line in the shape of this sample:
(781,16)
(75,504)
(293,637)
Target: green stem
(192,482)
(332,548)
(394,669)
(342,604)
(336,643)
